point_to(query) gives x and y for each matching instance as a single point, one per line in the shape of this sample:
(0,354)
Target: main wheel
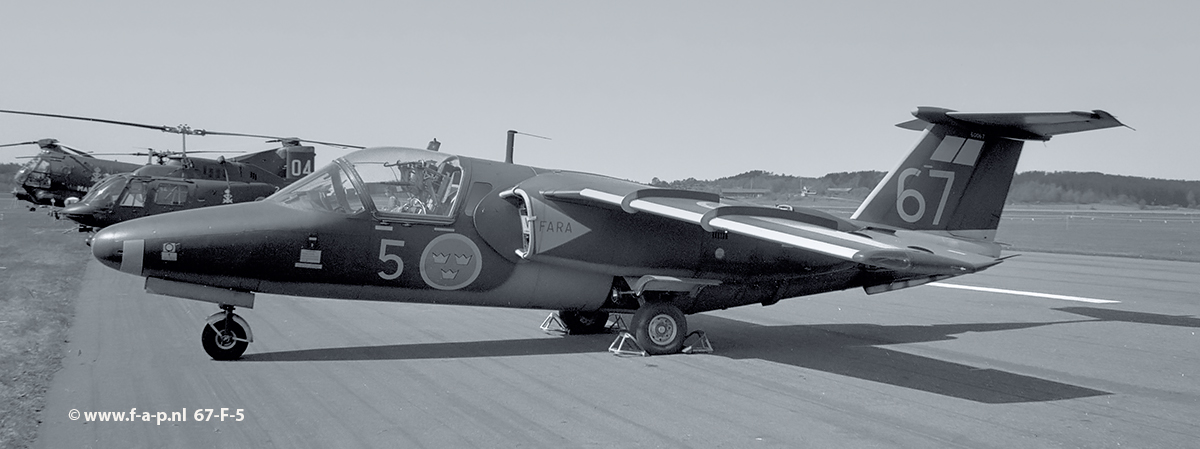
(583,322)
(659,328)
(224,344)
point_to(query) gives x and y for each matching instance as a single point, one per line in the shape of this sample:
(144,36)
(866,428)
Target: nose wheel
(226,335)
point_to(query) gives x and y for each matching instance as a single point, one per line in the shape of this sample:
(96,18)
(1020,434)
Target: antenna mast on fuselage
(508,153)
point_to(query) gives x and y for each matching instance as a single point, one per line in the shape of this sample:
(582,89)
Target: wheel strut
(226,335)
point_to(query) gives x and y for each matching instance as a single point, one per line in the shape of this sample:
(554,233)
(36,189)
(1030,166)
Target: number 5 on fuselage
(386,258)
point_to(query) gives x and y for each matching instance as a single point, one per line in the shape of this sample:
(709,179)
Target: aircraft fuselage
(469,258)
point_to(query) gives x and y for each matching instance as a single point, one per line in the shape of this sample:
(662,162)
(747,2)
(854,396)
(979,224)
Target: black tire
(220,343)
(579,323)
(659,328)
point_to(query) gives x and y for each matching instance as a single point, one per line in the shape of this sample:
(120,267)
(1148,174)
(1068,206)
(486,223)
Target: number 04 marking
(385,257)
(903,193)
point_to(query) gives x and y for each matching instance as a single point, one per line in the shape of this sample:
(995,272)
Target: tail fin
(291,162)
(957,178)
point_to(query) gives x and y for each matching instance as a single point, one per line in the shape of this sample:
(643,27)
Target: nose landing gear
(226,335)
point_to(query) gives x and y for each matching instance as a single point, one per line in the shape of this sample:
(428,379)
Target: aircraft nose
(76,211)
(113,248)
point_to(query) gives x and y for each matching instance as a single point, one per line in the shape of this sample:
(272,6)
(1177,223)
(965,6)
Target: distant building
(745,193)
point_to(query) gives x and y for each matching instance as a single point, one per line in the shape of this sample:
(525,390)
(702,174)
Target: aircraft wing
(905,252)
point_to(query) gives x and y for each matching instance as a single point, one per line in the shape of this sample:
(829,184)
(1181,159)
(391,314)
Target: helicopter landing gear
(91,232)
(659,327)
(226,335)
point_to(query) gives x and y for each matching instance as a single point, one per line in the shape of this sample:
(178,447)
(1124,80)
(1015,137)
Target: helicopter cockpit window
(36,173)
(411,182)
(105,192)
(28,166)
(135,195)
(171,194)
(327,190)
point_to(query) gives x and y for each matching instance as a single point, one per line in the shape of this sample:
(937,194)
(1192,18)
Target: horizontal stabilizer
(1015,125)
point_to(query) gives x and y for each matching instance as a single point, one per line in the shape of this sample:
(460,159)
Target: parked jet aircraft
(409,225)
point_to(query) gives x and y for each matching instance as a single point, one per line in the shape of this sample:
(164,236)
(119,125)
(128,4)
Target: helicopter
(410,225)
(185,182)
(179,181)
(59,174)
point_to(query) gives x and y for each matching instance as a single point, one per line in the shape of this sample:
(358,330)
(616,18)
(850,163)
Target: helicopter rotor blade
(32,142)
(331,144)
(180,129)
(90,119)
(81,153)
(214,151)
(202,132)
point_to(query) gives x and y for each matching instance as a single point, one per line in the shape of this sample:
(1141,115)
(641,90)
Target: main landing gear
(226,335)
(658,327)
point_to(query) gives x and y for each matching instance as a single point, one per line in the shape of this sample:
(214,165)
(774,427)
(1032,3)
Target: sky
(631,89)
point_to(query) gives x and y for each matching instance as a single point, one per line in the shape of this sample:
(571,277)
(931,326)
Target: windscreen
(327,190)
(410,182)
(105,192)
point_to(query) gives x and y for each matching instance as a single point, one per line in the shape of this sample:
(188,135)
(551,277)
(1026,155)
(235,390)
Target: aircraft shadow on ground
(852,350)
(1133,317)
(856,350)
(575,344)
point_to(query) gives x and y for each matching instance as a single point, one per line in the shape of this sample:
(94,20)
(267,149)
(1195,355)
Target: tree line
(1093,187)
(851,184)
(7,172)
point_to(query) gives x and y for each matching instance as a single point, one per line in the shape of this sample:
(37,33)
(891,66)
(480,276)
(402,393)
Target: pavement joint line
(1018,292)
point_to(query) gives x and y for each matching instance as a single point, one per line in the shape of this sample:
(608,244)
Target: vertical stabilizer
(957,177)
(291,162)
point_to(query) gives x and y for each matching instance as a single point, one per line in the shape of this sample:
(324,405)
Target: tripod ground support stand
(626,345)
(699,343)
(554,326)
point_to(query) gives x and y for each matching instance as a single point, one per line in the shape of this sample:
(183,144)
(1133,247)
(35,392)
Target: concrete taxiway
(932,366)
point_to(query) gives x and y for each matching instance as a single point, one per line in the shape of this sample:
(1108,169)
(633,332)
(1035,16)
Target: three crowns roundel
(450,262)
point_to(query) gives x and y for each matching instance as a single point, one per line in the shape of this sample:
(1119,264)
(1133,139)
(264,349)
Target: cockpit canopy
(105,192)
(35,173)
(400,182)
(127,189)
